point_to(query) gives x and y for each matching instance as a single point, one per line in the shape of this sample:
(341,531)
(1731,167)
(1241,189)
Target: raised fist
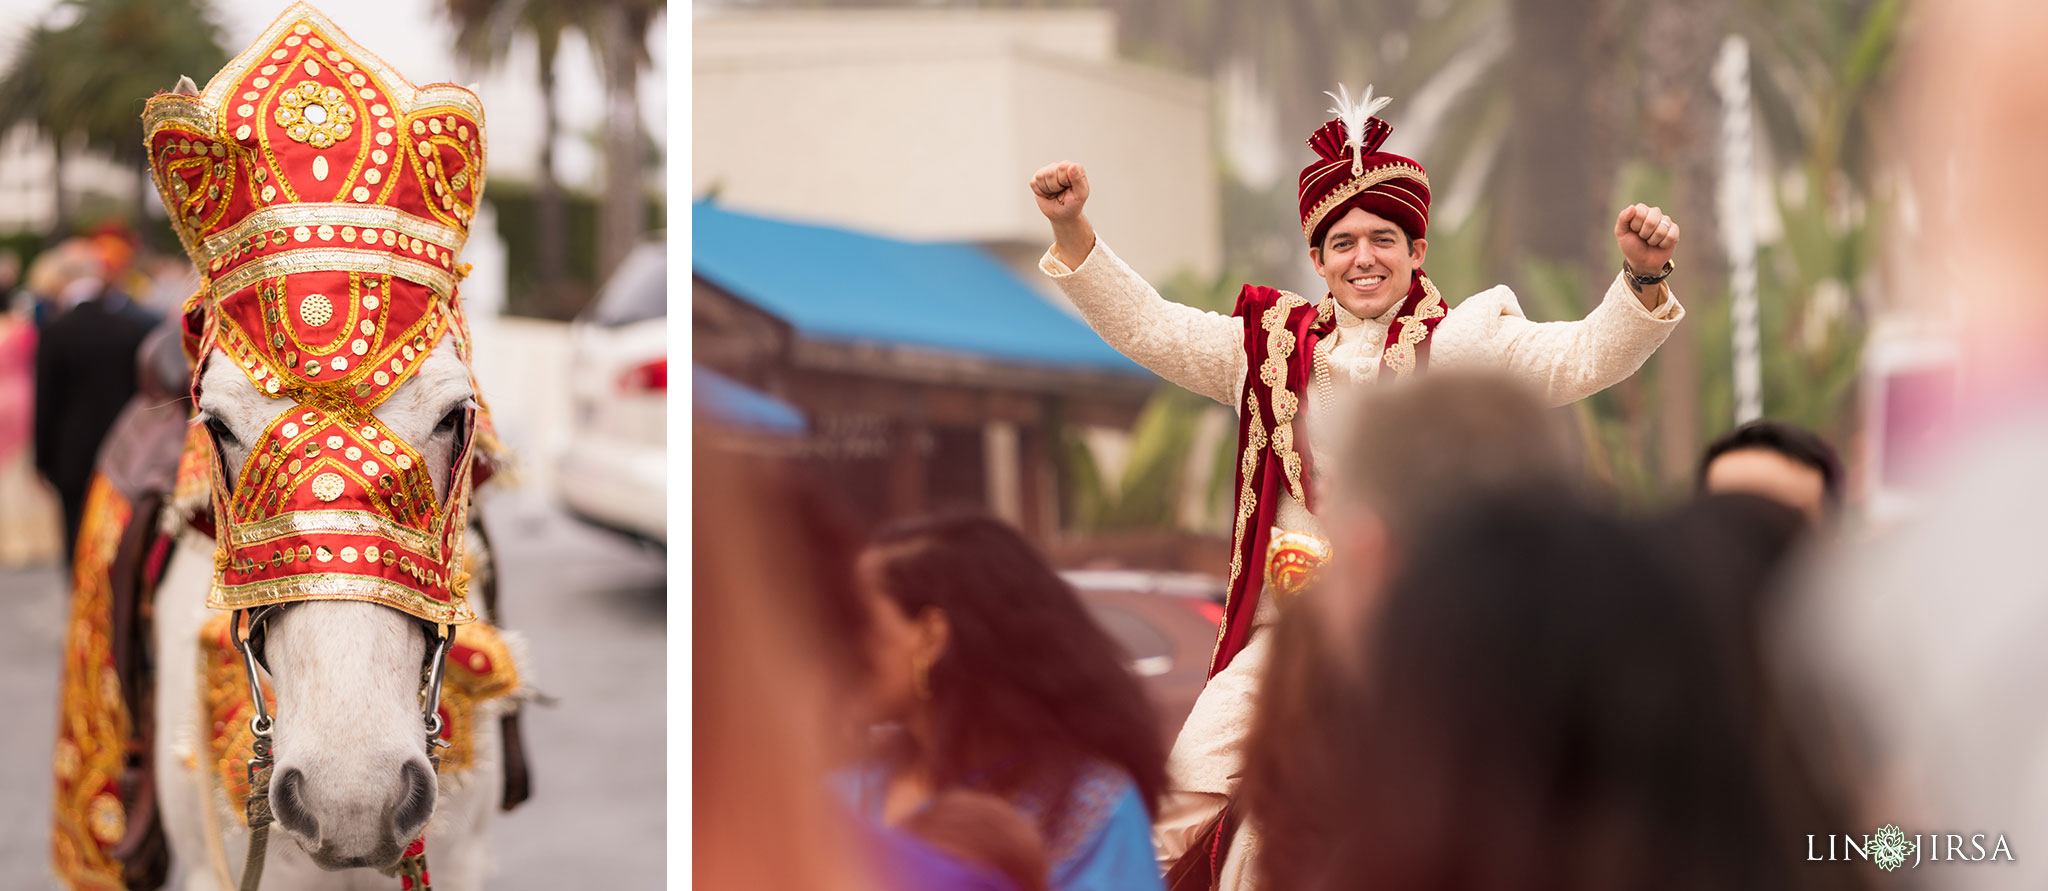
(1061,189)
(1646,237)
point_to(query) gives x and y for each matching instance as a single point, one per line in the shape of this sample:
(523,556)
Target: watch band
(1643,281)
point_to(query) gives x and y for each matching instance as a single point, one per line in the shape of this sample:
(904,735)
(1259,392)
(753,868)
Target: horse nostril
(417,804)
(288,803)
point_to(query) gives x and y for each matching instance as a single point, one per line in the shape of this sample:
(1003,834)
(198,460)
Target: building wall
(927,125)
(727,35)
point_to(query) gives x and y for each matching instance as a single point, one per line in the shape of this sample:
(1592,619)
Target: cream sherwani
(1204,352)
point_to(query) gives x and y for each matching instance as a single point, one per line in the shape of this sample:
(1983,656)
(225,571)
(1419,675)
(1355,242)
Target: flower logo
(1889,848)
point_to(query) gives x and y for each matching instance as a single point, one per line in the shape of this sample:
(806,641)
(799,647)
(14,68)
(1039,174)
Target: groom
(1291,367)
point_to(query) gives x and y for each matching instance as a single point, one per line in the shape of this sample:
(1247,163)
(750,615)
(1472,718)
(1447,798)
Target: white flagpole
(1738,223)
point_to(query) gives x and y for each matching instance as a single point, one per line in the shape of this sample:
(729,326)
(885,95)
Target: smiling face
(1367,262)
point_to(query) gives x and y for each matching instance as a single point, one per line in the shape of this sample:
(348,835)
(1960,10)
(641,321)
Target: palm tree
(34,93)
(1822,72)
(156,41)
(619,37)
(62,83)
(484,32)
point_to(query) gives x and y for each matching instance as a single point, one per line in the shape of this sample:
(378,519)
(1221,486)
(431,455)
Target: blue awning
(841,285)
(735,403)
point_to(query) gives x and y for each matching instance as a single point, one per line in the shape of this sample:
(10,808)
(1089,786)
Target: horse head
(353,783)
(324,198)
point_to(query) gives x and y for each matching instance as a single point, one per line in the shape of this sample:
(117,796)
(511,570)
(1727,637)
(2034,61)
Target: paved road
(32,620)
(594,608)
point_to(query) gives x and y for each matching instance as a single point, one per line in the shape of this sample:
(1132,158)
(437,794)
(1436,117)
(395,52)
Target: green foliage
(30,92)
(1155,475)
(1455,261)
(85,82)
(90,77)
(25,246)
(1819,74)
(484,33)
(1148,496)
(515,204)
(1813,324)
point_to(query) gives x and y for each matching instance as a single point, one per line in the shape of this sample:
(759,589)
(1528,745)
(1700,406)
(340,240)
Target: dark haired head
(1447,438)
(1555,706)
(1738,546)
(1028,691)
(1794,443)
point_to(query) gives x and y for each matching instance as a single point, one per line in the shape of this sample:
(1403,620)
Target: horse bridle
(248,631)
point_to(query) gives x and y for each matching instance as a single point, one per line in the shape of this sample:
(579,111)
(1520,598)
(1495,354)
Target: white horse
(352,784)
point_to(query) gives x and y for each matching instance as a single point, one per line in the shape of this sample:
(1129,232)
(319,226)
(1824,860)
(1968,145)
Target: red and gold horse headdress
(324,199)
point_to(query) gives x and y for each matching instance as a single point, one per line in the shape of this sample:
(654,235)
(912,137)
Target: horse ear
(185,87)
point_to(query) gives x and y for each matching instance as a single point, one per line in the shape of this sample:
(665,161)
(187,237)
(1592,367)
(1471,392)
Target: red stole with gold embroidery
(1281,332)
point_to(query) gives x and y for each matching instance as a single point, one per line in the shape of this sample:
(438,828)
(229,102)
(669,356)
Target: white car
(614,472)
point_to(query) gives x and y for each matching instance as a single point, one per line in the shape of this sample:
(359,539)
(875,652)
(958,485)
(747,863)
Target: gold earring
(921,679)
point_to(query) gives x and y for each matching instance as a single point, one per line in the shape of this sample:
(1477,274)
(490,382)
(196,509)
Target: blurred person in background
(1742,547)
(116,245)
(1783,462)
(761,683)
(1292,366)
(142,447)
(166,282)
(1434,445)
(29,520)
(999,681)
(780,647)
(52,272)
(1559,714)
(1931,630)
(85,367)
(1744,553)
(121,549)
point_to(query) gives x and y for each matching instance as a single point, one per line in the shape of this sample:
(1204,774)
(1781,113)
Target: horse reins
(248,633)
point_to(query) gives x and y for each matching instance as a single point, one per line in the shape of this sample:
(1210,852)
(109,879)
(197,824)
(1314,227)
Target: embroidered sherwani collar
(1344,317)
(1348,320)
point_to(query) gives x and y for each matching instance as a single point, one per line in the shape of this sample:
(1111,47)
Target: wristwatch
(1639,281)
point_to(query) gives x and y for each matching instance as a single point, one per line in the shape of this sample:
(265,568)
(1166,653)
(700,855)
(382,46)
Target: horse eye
(450,420)
(220,431)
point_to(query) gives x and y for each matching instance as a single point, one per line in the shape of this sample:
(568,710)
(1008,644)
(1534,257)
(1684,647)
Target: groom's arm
(1568,361)
(1201,351)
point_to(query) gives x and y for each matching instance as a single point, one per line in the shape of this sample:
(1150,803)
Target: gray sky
(415,37)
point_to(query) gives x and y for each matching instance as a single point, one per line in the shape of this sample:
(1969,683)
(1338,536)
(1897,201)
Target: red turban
(1350,171)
